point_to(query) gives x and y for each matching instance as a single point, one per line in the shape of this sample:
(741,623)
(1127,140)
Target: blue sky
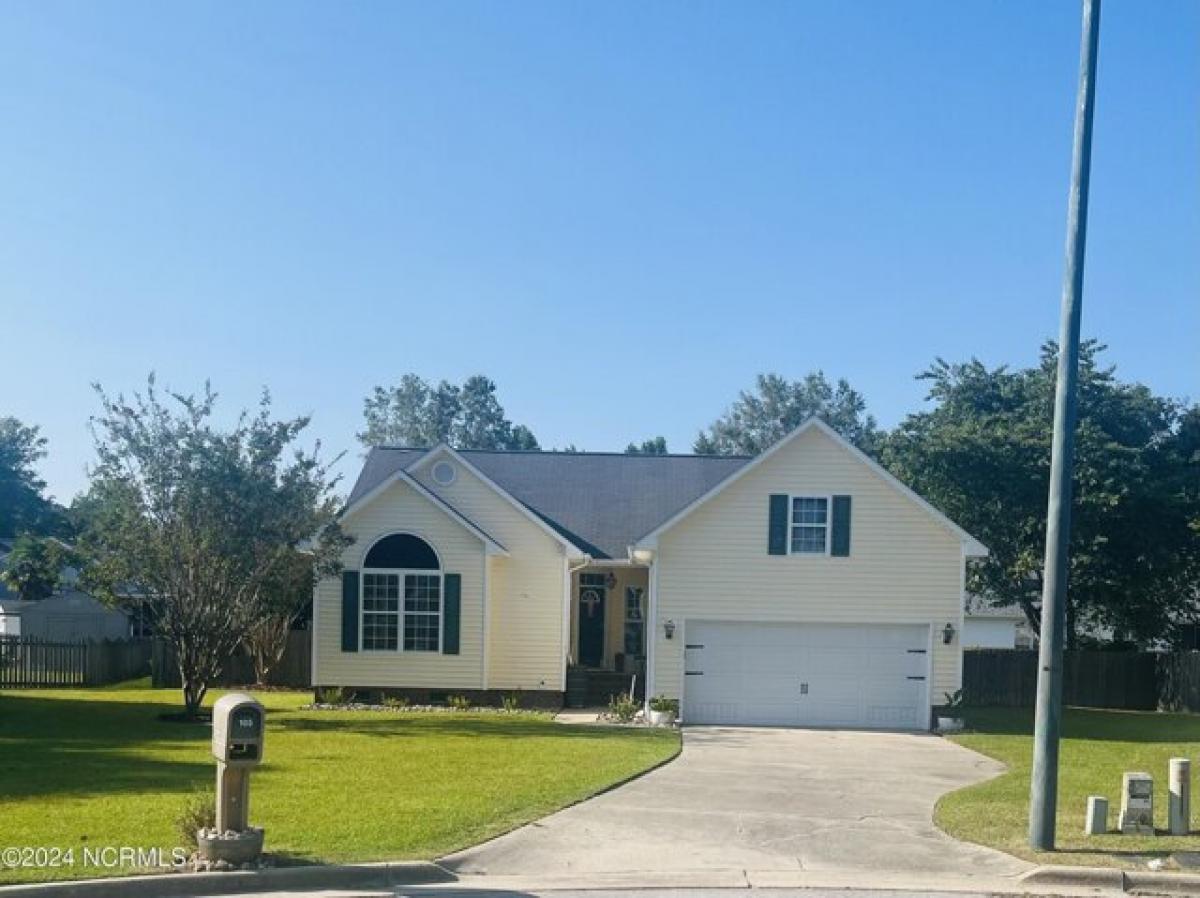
(621,212)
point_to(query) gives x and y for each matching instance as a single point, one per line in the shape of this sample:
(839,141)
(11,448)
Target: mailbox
(1137,804)
(237,734)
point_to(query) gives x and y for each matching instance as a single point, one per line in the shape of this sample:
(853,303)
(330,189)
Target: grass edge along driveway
(98,767)
(1097,747)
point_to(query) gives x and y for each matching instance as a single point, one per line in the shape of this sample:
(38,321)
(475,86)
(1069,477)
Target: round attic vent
(444,473)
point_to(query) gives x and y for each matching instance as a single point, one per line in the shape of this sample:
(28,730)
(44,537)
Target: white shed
(987,626)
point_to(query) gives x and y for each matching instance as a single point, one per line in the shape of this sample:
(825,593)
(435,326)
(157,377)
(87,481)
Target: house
(67,616)
(806,586)
(988,626)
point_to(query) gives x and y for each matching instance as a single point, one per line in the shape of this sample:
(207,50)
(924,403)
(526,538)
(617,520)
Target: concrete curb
(1139,882)
(188,885)
(1095,877)
(1131,881)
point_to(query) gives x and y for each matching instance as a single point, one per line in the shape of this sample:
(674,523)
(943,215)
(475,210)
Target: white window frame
(641,619)
(792,497)
(401,612)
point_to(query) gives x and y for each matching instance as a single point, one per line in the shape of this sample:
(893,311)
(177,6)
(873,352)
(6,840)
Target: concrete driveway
(773,802)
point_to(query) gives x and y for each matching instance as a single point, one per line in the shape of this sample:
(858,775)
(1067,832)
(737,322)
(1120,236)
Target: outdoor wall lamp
(669,629)
(611,580)
(948,634)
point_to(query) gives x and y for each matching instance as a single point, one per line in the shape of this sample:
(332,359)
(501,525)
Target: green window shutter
(840,537)
(349,611)
(777,526)
(451,613)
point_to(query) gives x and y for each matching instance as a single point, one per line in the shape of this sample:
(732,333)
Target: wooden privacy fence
(30,663)
(293,670)
(1179,682)
(1132,681)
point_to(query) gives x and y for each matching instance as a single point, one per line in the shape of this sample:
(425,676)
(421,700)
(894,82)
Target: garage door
(835,675)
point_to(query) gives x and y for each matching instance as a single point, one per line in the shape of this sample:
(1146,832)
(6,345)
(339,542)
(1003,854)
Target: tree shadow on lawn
(34,717)
(82,747)
(97,772)
(1090,724)
(446,724)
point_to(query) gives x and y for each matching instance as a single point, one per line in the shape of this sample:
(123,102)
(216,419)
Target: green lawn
(1097,747)
(97,767)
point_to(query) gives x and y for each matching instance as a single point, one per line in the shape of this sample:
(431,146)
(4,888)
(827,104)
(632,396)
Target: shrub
(199,812)
(662,703)
(459,702)
(396,702)
(511,702)
(954,701)
(622,708)
(331,695)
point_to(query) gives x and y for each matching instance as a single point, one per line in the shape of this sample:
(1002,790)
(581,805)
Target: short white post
(1179,796)
(1097,816)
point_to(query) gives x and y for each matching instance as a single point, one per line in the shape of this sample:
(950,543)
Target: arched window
(401,596)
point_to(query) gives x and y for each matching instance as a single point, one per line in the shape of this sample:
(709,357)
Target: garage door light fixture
(948,634)
(669,629)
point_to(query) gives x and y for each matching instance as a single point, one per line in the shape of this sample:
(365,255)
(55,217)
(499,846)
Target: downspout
(649,557)
(651,636)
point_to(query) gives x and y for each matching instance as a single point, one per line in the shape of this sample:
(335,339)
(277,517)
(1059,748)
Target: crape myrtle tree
(286,595)
(776,406)
(202,522)
(420,414)
(982,455)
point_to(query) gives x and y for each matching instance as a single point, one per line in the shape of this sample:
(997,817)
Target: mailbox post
(237,744)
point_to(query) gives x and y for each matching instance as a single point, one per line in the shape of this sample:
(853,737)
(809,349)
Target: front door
(592,595)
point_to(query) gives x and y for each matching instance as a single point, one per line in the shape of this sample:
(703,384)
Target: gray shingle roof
(600,501)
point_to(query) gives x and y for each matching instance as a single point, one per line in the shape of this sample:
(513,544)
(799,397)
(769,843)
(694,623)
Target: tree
(33,568)
(23,507)
(285,596)
(777,406)
(198,523)
(982,455)
(481,423)
(655,446)
(416,413)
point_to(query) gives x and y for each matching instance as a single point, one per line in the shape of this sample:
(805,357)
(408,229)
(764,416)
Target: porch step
(588,688)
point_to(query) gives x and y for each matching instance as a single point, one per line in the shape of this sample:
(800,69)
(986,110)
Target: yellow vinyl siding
(525,650)
(904,566)
(401,509)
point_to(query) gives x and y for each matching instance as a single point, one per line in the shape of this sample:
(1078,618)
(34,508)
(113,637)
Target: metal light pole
(1043,803)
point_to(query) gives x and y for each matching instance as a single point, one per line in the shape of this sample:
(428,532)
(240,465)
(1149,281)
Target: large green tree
(33,568)
(23,505)
(200,522)
(982,455)
(654,446)
(415,412)
(776,405)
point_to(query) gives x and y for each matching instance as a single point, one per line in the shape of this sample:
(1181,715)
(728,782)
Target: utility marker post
(1043,804)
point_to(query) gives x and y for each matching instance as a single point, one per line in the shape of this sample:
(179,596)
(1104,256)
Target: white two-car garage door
(777,674)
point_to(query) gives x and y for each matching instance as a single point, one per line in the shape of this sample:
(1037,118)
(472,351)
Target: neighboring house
(806,586)
(988,626)
(67,616)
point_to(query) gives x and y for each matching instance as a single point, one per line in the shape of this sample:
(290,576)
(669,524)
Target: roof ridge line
(599,452)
